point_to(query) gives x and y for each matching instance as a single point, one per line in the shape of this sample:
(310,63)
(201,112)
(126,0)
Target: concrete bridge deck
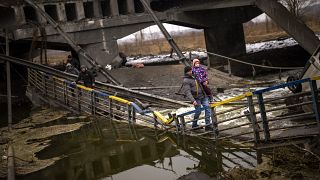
(97,24)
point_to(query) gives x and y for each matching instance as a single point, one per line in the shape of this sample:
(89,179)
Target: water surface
(111,150)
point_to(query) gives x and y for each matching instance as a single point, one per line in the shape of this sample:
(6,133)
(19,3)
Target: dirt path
(167,75)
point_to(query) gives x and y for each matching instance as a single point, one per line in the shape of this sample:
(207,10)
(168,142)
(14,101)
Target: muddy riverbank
(33,134)
(292,162)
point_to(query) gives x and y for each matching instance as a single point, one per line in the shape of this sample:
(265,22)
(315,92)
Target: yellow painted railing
(231,100)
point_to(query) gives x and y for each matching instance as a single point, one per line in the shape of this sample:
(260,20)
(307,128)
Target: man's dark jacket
(192,89)
(86,77)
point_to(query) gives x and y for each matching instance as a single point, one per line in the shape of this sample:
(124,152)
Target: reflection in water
(110,150)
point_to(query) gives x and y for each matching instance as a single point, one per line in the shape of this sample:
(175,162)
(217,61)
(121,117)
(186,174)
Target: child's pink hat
(194,61)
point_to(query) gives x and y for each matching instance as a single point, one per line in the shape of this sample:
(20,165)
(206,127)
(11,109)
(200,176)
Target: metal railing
(86,100)
(256,120)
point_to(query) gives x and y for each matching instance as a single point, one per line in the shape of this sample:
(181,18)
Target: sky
(171,29)
(152,30)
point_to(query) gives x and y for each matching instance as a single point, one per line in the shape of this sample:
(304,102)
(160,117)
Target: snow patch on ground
(275,44)
(165,58)
(251,48)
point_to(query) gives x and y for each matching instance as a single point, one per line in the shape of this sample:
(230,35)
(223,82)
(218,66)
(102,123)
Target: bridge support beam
(61,12)
(97,8)
(80,10)
(104,53)
(130,6)
(298,30)
(114,8)
(226,39)
(19,15)
(40,18)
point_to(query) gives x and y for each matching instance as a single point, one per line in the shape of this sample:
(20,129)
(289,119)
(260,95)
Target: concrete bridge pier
(225,39)
(102,52)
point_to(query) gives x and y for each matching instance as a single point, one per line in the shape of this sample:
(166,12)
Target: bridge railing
(264,115)
(298,117)
(82,99)
(258,117)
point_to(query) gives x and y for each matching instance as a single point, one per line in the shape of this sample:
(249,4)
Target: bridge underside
(97,24)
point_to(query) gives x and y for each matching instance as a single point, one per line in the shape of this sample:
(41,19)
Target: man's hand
(195,103)
(93,84)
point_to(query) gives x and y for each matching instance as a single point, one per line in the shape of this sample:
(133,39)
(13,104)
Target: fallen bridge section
(255,122)
(121,91)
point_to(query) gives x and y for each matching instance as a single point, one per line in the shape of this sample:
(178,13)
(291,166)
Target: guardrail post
(36,80)
(129,113)
(44,84)
(253,119)
(183,124)
(214,123)
(78,98)
(315,103)
(229,68)
(54,88)
(93,103)
(155,122)
(133,111)
(264,117)
(65,93)
(110,108)
(178,126)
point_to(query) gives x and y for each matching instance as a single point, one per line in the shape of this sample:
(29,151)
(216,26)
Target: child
(200,74)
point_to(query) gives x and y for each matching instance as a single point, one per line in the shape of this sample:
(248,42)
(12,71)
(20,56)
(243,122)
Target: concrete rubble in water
(32,135)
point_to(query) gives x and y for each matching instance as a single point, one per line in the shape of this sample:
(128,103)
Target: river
(106,149)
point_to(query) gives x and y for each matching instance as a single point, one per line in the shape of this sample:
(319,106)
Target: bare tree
(296,7)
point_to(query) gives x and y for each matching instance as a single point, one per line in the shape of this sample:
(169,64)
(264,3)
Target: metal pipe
(237,135)
(290,116)
(11,172)
(289,106)
(214,122)
(295,126)
(233,127)
(285,97)
(8,85)
(253,119)
(315,103)
(232,109)
(264,117)
(230,119)
(165,33)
